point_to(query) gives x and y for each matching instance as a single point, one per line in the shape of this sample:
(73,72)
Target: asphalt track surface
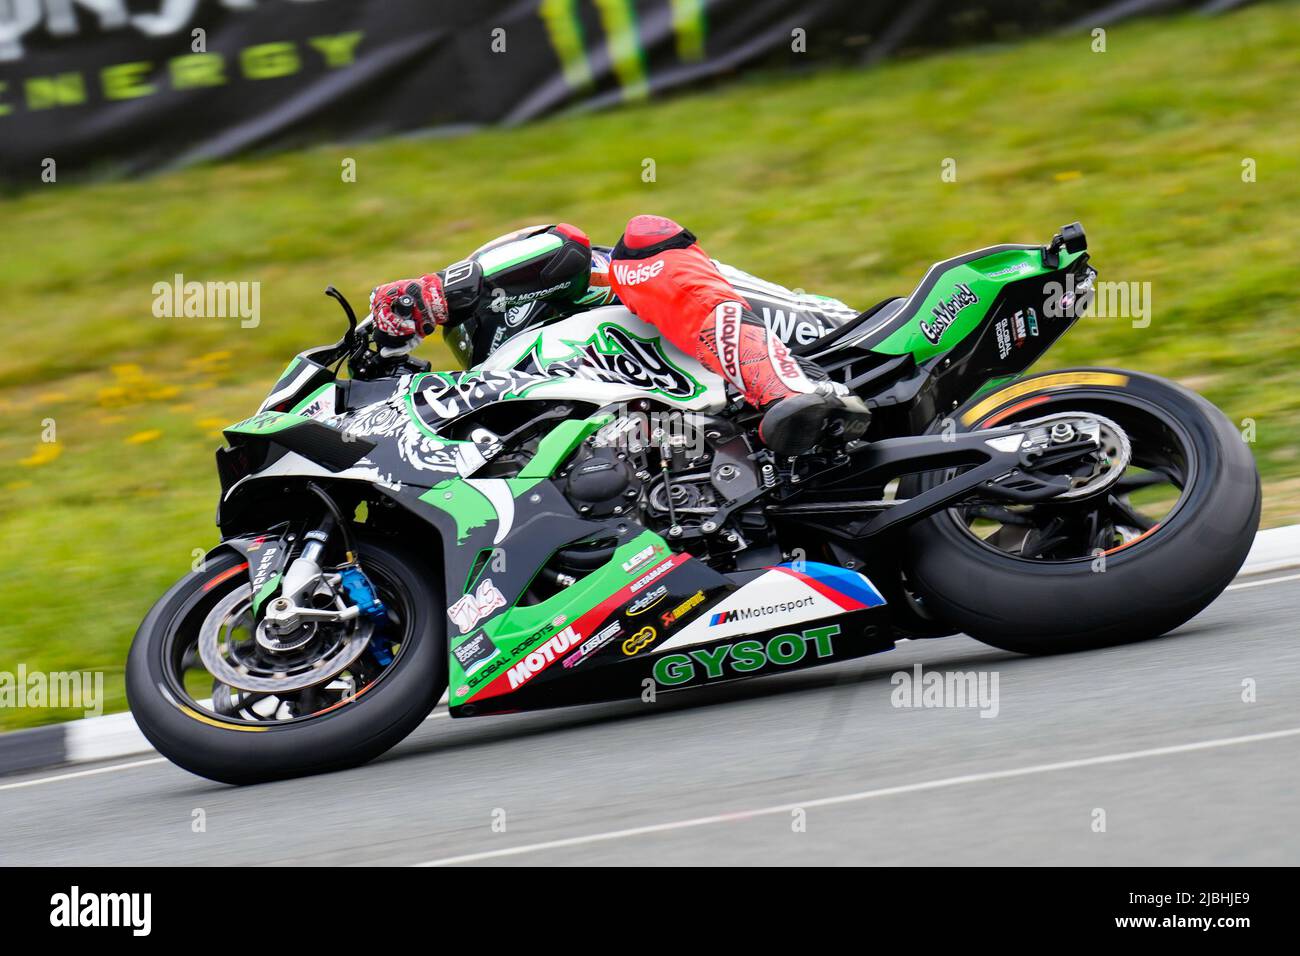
(815,767)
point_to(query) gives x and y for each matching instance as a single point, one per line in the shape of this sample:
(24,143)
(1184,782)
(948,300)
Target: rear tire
(359,731)
(1150,585)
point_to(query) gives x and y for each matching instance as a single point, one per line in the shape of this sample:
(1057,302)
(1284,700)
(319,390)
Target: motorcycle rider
(657,271)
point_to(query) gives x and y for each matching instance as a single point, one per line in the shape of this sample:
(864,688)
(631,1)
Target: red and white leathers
(662,275)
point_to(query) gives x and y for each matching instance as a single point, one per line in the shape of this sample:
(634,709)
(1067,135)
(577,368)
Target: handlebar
(360,336)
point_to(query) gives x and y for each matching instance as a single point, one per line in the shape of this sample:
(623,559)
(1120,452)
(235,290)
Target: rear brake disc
(1111,440)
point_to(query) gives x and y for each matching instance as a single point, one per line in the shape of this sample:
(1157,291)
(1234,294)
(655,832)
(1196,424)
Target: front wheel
(337,701)
(1137,559)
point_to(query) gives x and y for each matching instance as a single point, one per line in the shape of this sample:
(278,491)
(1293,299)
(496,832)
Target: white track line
(861,795)
(82,773)
(121,766)
(1260,584)
(443,713)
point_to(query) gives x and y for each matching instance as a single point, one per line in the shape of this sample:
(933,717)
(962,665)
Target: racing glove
(406,311)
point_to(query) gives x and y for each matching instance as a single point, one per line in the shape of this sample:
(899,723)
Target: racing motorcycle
(589,515)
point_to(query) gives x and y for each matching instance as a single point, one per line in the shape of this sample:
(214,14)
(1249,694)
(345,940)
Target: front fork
(286,598)
(305,571)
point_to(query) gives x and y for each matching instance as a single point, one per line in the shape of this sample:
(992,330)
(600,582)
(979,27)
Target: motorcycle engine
(601,482)
(687,477)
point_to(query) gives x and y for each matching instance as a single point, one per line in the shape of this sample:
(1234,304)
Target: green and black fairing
(498,529)
(975,322)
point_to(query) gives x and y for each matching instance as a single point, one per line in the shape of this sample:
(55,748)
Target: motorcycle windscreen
(460,343)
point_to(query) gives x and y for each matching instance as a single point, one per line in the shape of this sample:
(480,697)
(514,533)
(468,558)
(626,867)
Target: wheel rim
(1162,471)
(347,669)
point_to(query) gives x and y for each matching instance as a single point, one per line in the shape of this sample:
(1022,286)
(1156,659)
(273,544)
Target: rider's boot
(794,425)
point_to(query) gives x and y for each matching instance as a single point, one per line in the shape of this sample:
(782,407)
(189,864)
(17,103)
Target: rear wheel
(336,700)
(1152,548)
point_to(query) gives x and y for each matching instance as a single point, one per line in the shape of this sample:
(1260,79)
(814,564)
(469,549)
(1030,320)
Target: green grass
(829,181)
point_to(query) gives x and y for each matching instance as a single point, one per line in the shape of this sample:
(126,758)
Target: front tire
(241,751)
(1140,585)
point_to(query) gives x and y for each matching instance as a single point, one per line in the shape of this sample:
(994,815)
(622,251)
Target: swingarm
(1056,457)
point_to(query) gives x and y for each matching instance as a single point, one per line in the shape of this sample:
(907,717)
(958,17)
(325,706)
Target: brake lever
(338,297)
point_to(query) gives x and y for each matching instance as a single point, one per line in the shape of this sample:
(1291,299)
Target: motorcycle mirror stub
(1073,237)
(1070,238)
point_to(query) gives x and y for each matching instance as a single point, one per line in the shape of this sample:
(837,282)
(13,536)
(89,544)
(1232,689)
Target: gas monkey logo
(945,313)
(612,354)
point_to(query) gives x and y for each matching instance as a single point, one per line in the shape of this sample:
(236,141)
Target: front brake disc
(247,666)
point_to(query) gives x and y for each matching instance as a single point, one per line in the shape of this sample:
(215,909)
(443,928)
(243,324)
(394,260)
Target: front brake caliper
(362,593)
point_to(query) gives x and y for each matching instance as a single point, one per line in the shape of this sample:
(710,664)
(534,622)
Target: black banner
(121,86)
(1228,909)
